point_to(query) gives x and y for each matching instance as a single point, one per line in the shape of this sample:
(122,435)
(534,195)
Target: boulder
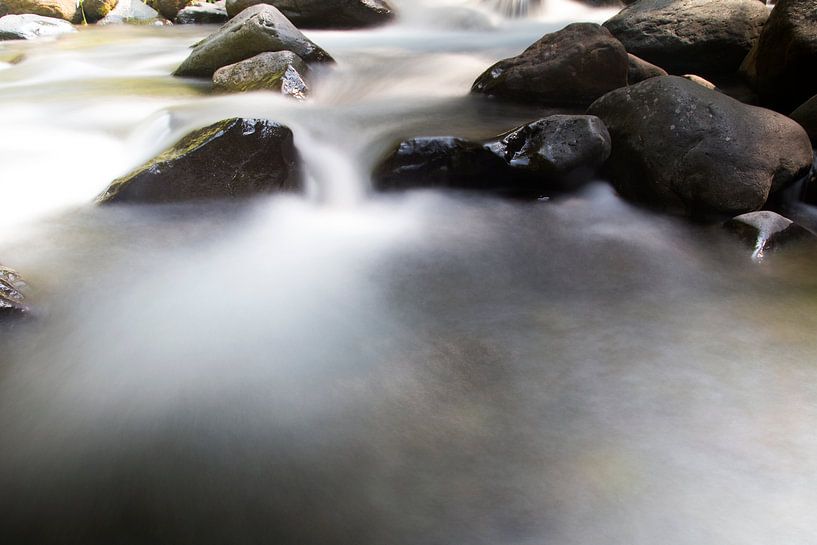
(255,30)
(324,13)
(781,65)
(67,10)
(12,299)
(130,11)
(764,231)
(95,10)
(279,71)
(573,66)
(233,158)
(202,13)
(547,156)
(170,8)
(29,27)
(638,70)
(705,37)
(806,115)
(687,149)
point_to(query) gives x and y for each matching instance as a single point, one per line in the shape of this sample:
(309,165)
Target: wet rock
(95,10)
(29,27)
(324,13)
(233,158)
(255,30)
(781,65)
(638,70)
(12,299)
(690,36)
(806,115)
(67,10)
(202,13)
(765,231)
(563,149)
(573,66)
(131,12)
(687,149)
(280,71)
(170,8)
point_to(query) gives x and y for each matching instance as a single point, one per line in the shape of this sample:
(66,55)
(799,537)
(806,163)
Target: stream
(344,367)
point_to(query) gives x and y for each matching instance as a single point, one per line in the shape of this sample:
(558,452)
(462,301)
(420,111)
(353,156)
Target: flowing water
(423,368)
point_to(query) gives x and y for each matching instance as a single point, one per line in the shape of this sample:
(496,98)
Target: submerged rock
(324,13)
(638,70)
(67,10)
(279,71)
(29,27)
(230,159)
(257,29)
(690,36)
(573,66)
(764,231)
(782,63)
(687,149)
(806,115)
(12,299)
(202,13)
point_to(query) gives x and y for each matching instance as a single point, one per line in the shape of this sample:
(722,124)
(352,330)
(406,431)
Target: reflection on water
(420,368)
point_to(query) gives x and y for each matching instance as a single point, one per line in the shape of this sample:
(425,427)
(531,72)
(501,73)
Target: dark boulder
(765,231)
(170,8)
(687,149)
(573,66)
(324,13)
(280,71)
(233,158)
(690,36)
(638,70)
(806,115)
(29,27)
(782,63)
(202,13)
(255,30)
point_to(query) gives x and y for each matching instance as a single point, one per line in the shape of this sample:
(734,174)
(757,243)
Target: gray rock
(12,299)
(782,63)
(279,71)
(202,13)
(638,70)
(764,231)
(687,149)
(131,12)
(573,66)
(29,27)
(806,115)
(233,158)
(324,13)
(255,30)
(690,36)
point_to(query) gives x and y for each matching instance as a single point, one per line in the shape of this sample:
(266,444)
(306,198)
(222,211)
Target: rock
(202,13)
(130,11)
(806,115)
(639,70)
(279,71)
(781,65)
(573,66)
(67,10)
(255,30)
(690,36)
(230,159)
(95,10)
(684,148)
(764,231)
(170,8)
(324,13)
(547,156)
(29,27)
(556,147)
(12,299)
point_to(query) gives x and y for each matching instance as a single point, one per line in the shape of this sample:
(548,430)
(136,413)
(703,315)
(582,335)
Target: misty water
(352,368)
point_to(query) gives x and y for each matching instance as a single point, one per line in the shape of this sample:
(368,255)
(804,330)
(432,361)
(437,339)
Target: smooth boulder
(806,115)
(67,10)
(782,64)
(687,149)
(29,27)
(170,8)
(94,10)
(279,71)
(233,158)
(638,70)
(764,231)
(324,13)
(706,37)
(573,66)
(257,29)
(202,13)
(131,12)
